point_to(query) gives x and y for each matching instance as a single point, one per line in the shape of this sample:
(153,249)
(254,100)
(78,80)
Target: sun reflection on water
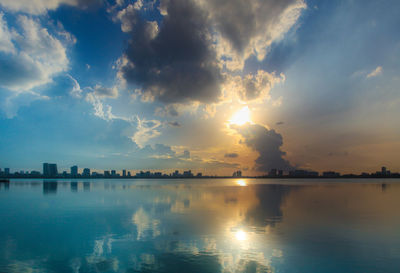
(241,182)
(240,235)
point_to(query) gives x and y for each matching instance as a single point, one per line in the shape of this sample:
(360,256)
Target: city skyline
(204,85)
(50,170)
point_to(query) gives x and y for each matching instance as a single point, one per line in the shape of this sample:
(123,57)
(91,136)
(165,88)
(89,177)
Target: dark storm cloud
(267,143)
(177,62)
(231,155)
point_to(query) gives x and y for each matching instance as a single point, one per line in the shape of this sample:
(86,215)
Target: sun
(241,117)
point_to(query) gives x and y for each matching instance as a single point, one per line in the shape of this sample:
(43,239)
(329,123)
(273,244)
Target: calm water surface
(224,225)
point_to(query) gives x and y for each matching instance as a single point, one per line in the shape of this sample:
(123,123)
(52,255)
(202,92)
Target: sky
(213,86)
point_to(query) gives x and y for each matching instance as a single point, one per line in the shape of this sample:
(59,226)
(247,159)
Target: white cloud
(34,56)
(138,4)
(146,130)
(96,95)
(251,86)
(128,18)
(250,27)
(6,45)
(76,90)
(377,71)
(100,110)
(35,6)
(11,104)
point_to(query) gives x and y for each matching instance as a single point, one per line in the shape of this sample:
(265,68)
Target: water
(224,225)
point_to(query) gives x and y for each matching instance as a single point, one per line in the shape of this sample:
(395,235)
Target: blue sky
(155,84)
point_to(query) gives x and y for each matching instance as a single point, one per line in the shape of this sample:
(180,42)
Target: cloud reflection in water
(196,226)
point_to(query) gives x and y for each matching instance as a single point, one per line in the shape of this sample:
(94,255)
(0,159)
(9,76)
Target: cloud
(174,124)
(103,92)
(100,109)
(42,6)
(6,45)
(162,149)
(231,155)
(248,28)
(146,130)
(267,143)
(377,71)
(176,63)
(279,123)
(76,90)
(128,17)
(30,58)
(10,103)
(96,97)
(186,154)
(62,86)
(176,109)
(189,56)
(254,86)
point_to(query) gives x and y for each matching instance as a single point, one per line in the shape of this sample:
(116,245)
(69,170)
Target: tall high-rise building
(86,172)
(272,172)
(113,173)
(384,171)
(46,169)
(74,170)
(124,173)
(50,170)
(6,171)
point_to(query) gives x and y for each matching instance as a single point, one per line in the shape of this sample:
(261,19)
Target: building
(384,171)
(330,174)
(303,173)
(106,173)
(86,172)
(237,174)
(124,173)
(74,170)
(273,172)
(7,171)
(113,173)
(50,170)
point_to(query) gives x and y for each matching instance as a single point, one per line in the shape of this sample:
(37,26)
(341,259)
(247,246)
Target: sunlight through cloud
(241,117)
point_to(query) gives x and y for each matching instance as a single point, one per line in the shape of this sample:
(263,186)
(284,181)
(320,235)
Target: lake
(200,225)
